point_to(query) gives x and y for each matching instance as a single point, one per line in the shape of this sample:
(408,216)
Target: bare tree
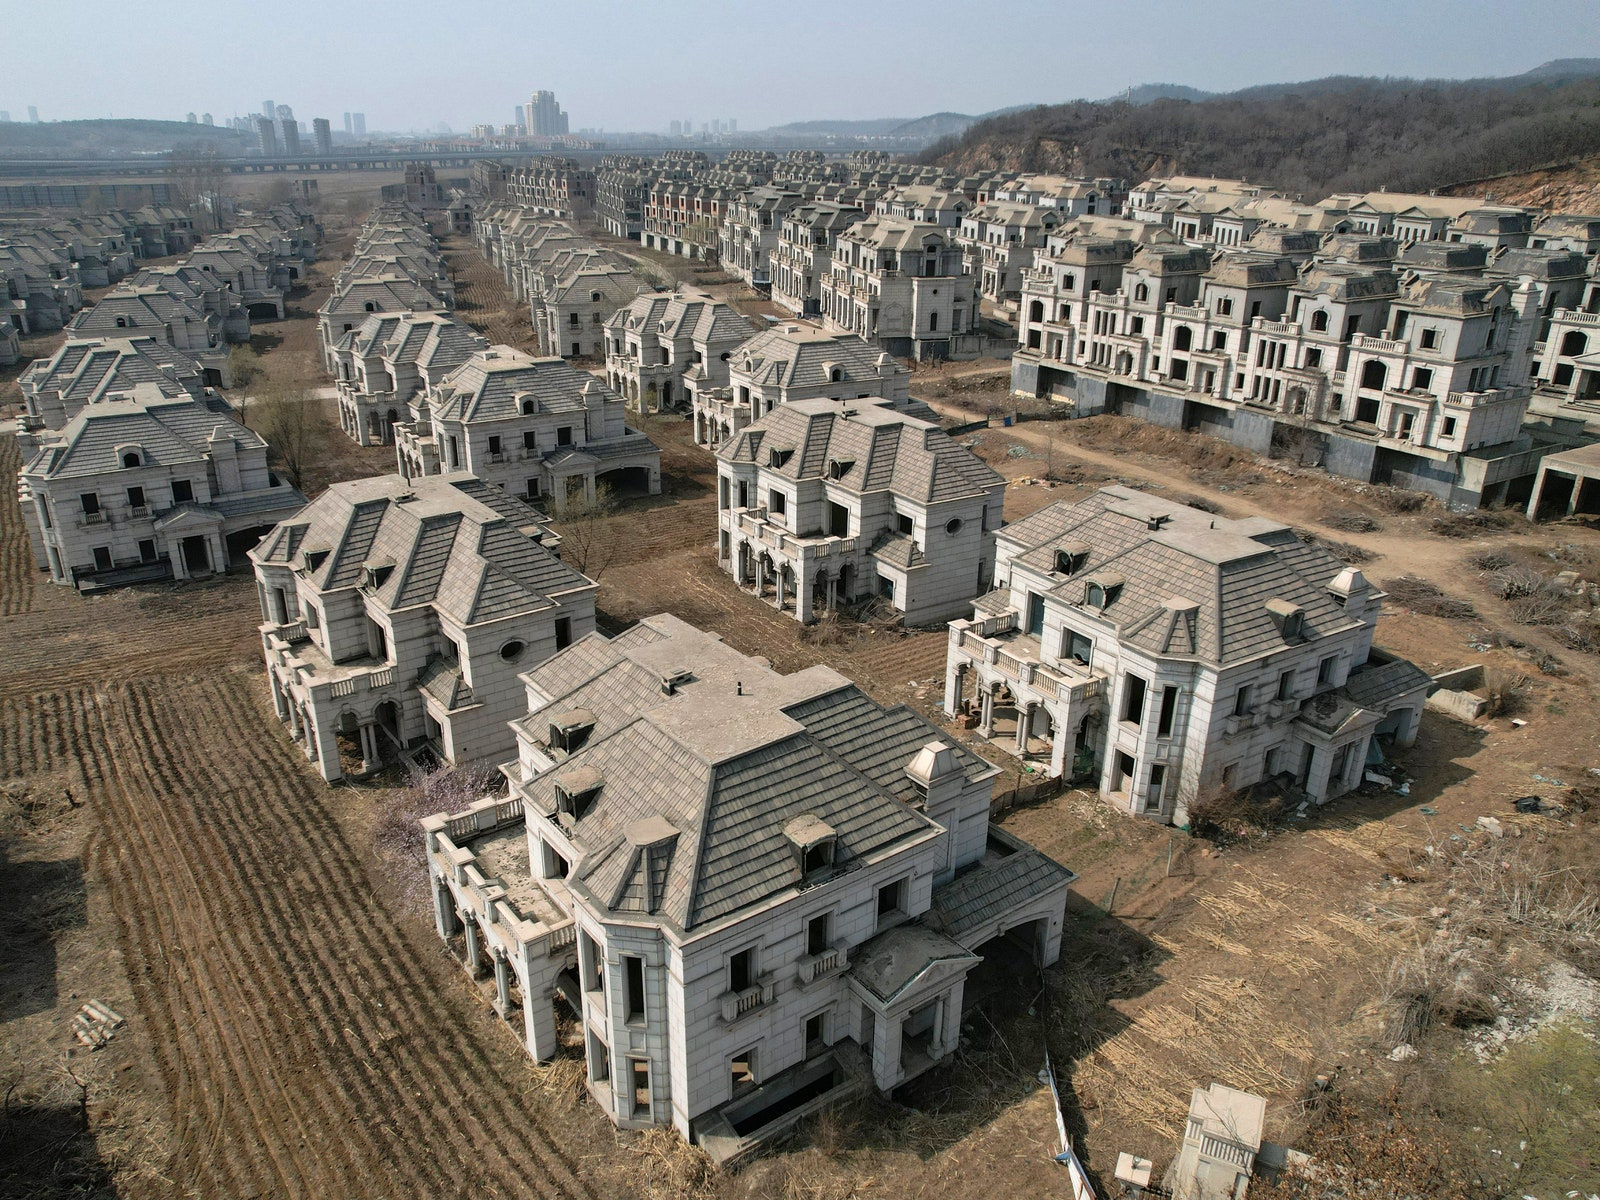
(197,177)
(288,419)
(588,543)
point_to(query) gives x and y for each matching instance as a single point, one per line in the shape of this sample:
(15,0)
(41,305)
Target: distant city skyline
(467,78)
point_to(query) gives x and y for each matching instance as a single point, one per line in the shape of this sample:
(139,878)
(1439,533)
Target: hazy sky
(411,64)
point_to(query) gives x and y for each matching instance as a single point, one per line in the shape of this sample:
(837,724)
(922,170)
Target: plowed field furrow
(16,555)
(243,1108)
(309,1047)
(500,1118)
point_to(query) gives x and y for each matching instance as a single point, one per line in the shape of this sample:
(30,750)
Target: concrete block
(1464,706)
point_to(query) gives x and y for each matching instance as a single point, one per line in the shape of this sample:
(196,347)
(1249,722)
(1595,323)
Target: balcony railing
(815,966)
(739,1004)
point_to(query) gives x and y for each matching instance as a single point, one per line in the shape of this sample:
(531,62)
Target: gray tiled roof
(730,757)
(168,431)
(1198,585)
(493,384)
(991,890)
(464,557)
(1378,687)
(886,449)
(84,369)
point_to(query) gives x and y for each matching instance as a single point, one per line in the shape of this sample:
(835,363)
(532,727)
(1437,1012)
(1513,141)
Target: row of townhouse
(570,283)
(46,263)
(394,267)
(1162,655)
(553,186)
(538,427)
(759,893)
(134,468)
(1405,364)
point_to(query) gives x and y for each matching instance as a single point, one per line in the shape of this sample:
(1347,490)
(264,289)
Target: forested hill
(1314,138)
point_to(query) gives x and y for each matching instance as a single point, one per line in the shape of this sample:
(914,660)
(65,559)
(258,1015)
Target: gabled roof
(797,354)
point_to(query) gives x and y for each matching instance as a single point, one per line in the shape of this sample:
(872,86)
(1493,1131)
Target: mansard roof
(1191,585)
(698,779)
(495,383)
(168,431)
(862,446)
(456,544)
(796,354)
(85,369)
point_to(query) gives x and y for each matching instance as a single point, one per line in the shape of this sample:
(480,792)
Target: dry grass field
(294,1027)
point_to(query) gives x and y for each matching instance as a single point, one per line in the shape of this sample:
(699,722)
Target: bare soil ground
(295,1028)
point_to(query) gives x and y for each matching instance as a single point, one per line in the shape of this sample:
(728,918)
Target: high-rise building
(322,132)
(269,110)
(205,119)
(285,113)
(289,134)
(546,118)
(358,125)
(191,119)
(733,125)
(676,127)
(347,129)
(5,117)
(522,115)
(33,113)
(267,137)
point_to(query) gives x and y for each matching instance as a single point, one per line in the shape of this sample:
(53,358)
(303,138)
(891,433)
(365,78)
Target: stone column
(803,589)
(369,747)
(444,909)
(292,715)
(474,956)
(1024,715)
(502,984)
(955,679)
(278,705)
(539,1024)
(986,713)
(777,583)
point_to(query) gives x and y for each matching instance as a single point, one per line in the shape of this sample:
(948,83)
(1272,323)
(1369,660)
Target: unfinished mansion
(1393,339)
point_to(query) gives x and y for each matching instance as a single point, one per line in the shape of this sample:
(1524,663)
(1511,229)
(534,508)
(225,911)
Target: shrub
(1506,693)
(1489,560)
(1350,521)
(1424,599)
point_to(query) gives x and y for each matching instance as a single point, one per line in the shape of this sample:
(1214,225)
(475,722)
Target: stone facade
(383,367)
(140,485)
(537,427)
(743,883)
(665,347)
(397,613)
(1161,655)
(901,284)
(822,503)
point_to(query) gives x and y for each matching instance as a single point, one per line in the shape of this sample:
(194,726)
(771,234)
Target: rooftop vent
(672,680)
(1156,520)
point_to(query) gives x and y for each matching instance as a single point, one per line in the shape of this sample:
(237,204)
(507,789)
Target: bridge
(357,160)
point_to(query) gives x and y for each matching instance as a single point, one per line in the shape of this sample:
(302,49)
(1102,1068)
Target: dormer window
(570,729)
(1289,618)
(838,468)
(814,842)
(375,573)
(1102,591)
(1071,557)
(577,792)
(776,458)
(529,407)
(130,458)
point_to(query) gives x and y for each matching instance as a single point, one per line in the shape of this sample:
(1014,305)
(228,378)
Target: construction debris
(95,1024)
